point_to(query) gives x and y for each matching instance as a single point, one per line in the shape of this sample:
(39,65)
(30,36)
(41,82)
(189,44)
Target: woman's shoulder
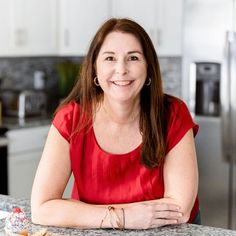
(68,107)
(179,120)
(66,112)
(66,118)
(174,104)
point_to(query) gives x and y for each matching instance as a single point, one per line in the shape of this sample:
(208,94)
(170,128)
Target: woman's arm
(53,173)
(48,207)
(180,179)
(181,175)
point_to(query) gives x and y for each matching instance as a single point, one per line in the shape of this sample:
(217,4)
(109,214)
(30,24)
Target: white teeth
(121,83)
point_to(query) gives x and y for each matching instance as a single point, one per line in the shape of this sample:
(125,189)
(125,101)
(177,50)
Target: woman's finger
(168,215)
(166,207)
(162,222)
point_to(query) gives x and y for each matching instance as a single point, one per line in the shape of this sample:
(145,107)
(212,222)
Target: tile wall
(18,73)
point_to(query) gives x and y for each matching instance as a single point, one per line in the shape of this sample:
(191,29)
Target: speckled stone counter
(19,123)
(7,203)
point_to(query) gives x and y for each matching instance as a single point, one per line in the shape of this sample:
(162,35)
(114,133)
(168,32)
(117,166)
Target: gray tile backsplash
(171,70)
(18,73)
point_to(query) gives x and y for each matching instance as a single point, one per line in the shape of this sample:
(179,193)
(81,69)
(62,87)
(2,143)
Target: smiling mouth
(122,83)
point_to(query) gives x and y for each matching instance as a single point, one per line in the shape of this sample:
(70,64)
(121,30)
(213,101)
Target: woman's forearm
(68,213)
(138,215)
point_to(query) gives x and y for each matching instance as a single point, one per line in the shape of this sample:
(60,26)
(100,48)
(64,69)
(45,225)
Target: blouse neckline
(131,153)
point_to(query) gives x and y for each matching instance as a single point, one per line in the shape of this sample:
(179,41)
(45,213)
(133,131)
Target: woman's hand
(152,215)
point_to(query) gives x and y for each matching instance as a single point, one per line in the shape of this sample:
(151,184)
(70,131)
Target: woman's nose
(121,67)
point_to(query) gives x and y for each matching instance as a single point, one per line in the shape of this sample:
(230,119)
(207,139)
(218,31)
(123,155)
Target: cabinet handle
(159,37)
(152,36)
(20,37)
(66,38)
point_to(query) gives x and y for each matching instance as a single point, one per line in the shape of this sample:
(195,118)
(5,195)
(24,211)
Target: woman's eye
(133,58)
(109,58)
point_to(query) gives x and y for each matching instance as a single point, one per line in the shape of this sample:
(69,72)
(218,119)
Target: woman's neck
(121,113)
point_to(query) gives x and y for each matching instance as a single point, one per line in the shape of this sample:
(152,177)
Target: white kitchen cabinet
(172,28)
(162,19)
(22,168)
(145,12)
(4,27)
(78,22)
(30,26)
(25,148)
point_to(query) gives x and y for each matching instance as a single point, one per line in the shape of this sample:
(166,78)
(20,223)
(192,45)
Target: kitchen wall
(171,70)
(18,73)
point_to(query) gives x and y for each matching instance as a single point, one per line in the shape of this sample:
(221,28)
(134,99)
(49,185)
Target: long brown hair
(89,96)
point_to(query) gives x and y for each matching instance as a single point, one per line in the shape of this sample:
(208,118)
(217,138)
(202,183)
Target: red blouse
(104,178)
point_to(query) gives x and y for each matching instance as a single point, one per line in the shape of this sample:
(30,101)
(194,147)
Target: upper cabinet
(66,27)
(162,19)
(30,26)
(78,22)
(4,28)
(145,12)
(172,28)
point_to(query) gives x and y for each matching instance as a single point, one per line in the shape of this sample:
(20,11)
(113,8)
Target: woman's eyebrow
(108,52)
(129,52)
(135,51)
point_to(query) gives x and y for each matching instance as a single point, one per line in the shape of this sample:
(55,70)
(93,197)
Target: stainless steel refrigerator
(210,36)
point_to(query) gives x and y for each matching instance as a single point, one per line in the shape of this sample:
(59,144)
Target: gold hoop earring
(95,80)
(149,82)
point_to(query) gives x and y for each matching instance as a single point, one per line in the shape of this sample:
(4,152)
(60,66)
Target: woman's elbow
(37,216)
(35,219)
(185,217)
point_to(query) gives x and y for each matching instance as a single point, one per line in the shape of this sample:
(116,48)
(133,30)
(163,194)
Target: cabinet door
(25,148)
(79,20)
(4,27)
(172,28)
(22,169)
(27,139)
(33,27)
(162,20)
(144,12)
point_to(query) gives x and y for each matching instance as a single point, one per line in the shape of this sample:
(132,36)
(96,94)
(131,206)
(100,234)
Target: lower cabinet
(24,152)
(22,168)
(25,146)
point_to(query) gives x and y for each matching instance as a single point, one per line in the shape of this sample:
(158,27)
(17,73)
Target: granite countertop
(18,123)
(7,203)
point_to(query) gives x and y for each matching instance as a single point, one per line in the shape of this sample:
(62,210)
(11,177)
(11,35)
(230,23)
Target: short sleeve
(179,123)
(63,120)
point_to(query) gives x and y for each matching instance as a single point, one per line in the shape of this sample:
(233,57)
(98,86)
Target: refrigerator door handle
(228,115)
(228,98)
(232,77)
(225,99)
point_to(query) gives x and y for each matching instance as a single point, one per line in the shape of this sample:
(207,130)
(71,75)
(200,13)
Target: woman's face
(121,67)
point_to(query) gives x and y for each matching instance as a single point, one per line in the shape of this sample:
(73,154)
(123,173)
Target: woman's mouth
(122,82)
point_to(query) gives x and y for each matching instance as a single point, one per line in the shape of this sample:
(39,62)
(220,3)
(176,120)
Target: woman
(129,146)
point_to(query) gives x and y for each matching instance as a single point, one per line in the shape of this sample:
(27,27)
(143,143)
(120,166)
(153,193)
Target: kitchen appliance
(23,103)
(209,36)
(3,162)
(207,88)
